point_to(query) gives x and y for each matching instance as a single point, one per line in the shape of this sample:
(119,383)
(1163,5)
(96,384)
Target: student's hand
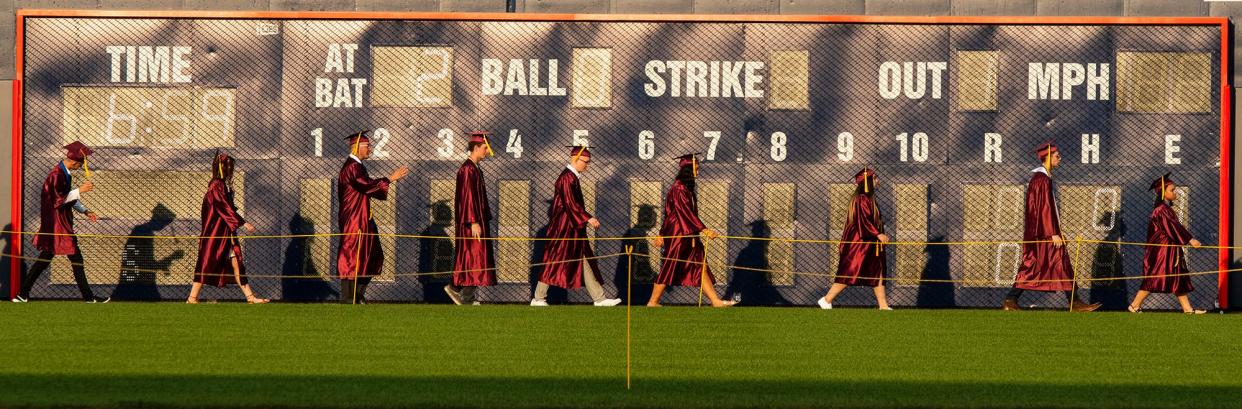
(86,187)
(476,231)
(398,174)
(883,238)
(1056,241)
(249,227)
(593,223)
(709,234)
(1195,242)
(656,241)
(91,215)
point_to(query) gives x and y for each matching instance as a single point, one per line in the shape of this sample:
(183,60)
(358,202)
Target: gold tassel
(1048,159)
(220,170)
(86,169)
(866,186)
(694,166)
(357,142)
(1162,197)
(576,156)
(489,146)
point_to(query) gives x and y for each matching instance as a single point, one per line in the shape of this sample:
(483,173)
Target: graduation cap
(866,177)
(1044,152)
(579,151)
(481,137)
(218,161)
(78,152)
(691,160)
(357,139)
(1158,185)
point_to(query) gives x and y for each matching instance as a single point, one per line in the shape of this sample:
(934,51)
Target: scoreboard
(783,109)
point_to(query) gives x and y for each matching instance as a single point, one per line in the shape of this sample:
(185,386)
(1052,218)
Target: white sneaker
(476,303)
(608,302)
(886,309)
(824,304)
(19,299)
(453,295)
(538,303)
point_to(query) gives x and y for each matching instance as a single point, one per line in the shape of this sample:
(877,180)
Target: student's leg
(881,298)
(41,264)
(656,292)
(79,275)
(834,291)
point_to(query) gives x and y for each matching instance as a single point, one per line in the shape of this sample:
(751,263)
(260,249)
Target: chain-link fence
(784,114)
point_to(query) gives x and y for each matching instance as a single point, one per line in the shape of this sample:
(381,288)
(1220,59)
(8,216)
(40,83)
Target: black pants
(44,261)
(1016,292)
(354,291)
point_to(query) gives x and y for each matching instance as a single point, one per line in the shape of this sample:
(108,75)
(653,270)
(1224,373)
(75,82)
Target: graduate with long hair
(862,257)
(220,260)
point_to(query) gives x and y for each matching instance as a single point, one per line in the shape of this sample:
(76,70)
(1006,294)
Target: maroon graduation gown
(567,219)
(220,223)
(474,264)
(1042,262)
(56,214)
(681,218)
(859,264)
(1161,261)
(354,191)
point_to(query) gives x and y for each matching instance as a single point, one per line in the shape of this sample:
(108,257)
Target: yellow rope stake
(629,304)
(357,266)
(1073,283)
(703,275)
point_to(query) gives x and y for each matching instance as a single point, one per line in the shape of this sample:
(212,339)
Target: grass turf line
(299,355)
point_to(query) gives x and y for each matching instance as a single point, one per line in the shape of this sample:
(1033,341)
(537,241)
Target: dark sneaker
(1010,305)
(99,300)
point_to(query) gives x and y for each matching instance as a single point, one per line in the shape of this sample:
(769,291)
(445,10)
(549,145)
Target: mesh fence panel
(783,113)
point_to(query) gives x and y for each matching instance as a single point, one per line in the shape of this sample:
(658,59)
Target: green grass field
(290,355)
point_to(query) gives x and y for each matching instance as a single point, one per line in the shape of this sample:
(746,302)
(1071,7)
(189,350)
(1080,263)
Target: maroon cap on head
(686,160)
(1045,149)
(480,136)
(1158,184)
(77,151)
(866,172)
(578,150)
(358,137)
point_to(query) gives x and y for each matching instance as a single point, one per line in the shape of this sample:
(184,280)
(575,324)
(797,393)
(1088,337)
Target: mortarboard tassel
(489,146)
(357,142)
(694,166)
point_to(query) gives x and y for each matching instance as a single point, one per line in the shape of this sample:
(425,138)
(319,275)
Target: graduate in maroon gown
(474,264)
(1045,261)
(220,260)
(56,237)
(862,257)
(359,257)
(685,261)
(570,263)
(1164,265)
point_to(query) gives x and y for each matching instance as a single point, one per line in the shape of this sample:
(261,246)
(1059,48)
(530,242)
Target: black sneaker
(99,300)
(19,299)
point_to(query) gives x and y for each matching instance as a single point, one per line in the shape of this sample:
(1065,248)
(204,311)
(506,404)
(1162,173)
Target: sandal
(1194,312)
(1134,309)
(257,300)
(191,300)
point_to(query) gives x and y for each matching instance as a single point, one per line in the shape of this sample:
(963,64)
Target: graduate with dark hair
(220,260)
(685,260)
(1045,261)
(862,256)
(56,237)
(359,256)
(569,262)
(1164,265)
(474,264)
